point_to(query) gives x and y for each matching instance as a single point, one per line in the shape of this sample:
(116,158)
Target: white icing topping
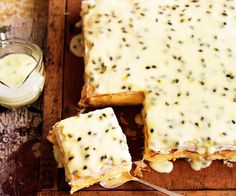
(198,164)
(162,166)
(93,143)
(181,53)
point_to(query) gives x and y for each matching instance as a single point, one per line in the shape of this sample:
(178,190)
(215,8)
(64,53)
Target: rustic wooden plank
(209,193)
(28,19)
(74,67)
(53,89)
(20,130)
(182,178)
(139,193)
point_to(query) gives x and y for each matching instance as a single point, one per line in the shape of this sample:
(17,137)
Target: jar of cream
(22,73)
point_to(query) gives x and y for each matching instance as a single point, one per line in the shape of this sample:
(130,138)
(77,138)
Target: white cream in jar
(14,68)
(21,73)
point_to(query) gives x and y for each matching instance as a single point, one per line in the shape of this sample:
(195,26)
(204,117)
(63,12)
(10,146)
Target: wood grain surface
(62,92)
(28,19)
(53,92)
(20,129)
(136,193)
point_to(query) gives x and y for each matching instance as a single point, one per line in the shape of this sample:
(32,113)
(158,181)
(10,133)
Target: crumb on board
(140,166)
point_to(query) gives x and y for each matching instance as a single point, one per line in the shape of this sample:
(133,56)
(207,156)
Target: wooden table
(20,130)
(62,91)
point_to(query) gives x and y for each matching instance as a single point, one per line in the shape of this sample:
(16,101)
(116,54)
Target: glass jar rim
(32,46)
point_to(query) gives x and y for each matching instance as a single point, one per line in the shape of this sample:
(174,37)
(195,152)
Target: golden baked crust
(150,155)
(90,99)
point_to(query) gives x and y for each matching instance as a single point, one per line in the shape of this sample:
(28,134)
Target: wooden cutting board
(62,92)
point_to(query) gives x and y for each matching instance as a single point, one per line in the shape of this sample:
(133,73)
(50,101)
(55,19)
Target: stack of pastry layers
(178,59)
(91,147)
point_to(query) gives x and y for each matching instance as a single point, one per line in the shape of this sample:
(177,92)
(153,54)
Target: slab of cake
(91,147)
(178,59)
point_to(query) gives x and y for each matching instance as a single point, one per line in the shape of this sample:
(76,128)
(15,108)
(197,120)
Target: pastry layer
(89,98)
(91,147)
(181,54)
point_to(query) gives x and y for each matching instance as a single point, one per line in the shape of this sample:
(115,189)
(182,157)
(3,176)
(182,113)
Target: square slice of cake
(91,147)
(178,58)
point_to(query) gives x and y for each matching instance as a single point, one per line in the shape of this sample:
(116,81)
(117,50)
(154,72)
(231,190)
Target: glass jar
(22,74)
